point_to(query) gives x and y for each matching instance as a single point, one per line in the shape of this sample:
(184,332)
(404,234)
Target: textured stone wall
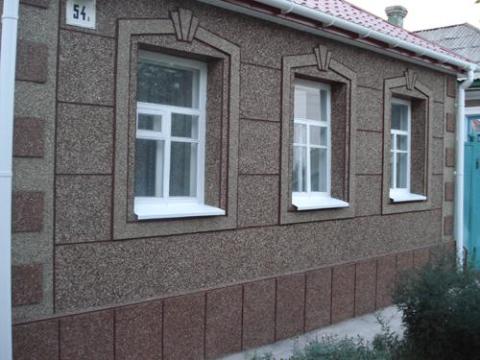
(33,151)
(74,257)
(210,323)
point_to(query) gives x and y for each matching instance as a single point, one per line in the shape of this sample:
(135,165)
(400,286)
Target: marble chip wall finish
(33,163)
(82,290)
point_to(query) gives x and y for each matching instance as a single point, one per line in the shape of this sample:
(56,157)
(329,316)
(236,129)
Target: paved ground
(365,326)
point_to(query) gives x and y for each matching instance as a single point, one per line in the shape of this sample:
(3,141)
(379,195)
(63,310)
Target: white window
(170,138)
(401,152)
(312,148)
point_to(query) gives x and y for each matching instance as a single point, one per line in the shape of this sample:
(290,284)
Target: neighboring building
(192,180)
(464,39)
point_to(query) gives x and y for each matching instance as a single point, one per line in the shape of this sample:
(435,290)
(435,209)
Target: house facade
(192,181)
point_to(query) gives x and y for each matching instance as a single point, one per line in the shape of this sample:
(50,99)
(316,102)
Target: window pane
(183,169)
(167,85)
(149,122)
(149,168)
(402,142)
(318,135)
(323,96)
(318,169)
(399,117)
(402,171)
(313,104)
(300,105)
(299,169)
(307,103)
(300,134)
(185,126)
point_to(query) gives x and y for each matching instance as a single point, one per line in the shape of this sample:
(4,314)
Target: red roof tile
(346,11)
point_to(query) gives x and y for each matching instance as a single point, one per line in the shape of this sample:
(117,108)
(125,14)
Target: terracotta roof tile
(346,11)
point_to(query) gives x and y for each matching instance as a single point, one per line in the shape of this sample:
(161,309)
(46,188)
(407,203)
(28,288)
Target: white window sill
(172,211)
(405,196)
(304,203)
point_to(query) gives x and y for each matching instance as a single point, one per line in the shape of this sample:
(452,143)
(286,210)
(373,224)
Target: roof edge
(277,10)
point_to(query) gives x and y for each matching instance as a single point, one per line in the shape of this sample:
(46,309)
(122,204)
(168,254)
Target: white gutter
(288,6)
(8,53)
(460,166)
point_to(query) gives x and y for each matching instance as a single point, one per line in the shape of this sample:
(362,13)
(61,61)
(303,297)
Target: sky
(426,14)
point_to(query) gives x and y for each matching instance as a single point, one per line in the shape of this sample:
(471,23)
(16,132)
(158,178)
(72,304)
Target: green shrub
(441,312)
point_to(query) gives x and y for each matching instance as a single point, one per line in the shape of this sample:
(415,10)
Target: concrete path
(365,326)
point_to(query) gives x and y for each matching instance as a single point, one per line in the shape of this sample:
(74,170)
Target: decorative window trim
(410,88)
(192,38)
(328,70)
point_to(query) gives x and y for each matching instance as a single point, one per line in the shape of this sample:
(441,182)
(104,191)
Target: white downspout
(8,53)
(460,167)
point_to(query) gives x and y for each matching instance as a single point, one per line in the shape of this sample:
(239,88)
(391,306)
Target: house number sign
(81,13)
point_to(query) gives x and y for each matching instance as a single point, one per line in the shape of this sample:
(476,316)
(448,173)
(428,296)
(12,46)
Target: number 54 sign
(81,13)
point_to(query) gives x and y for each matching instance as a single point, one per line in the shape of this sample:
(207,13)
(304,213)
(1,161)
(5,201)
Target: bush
(441,313)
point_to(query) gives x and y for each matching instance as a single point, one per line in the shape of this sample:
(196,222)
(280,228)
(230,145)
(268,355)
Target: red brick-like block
(28,137)
(318,299)
(449,191)
(290,306)
(386,273)
(138,332)
(365,284)
(258,313)
(449,157)
(27,284)
(451,125)
(421,257)
(27,213)
(38,341)
(448,225)
(184,327)
(224,322)
(343,292)
(451,86)
(87,336)
(32,61)
(404,262)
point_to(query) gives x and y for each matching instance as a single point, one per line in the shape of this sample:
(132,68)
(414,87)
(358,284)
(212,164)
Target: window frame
(403,194)
(167,206)
(311,200)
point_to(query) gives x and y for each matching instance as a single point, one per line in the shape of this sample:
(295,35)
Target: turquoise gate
(472,191)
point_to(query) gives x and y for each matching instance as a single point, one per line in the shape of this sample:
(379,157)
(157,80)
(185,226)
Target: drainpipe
(8,54)
(460,168)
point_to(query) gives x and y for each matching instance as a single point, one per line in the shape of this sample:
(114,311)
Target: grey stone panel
(84,139)
(260,93)
(83,208)
(369,153)
(370,109)
(259,147)
(439,119)
(257,200)
(369,195)
(86,69)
